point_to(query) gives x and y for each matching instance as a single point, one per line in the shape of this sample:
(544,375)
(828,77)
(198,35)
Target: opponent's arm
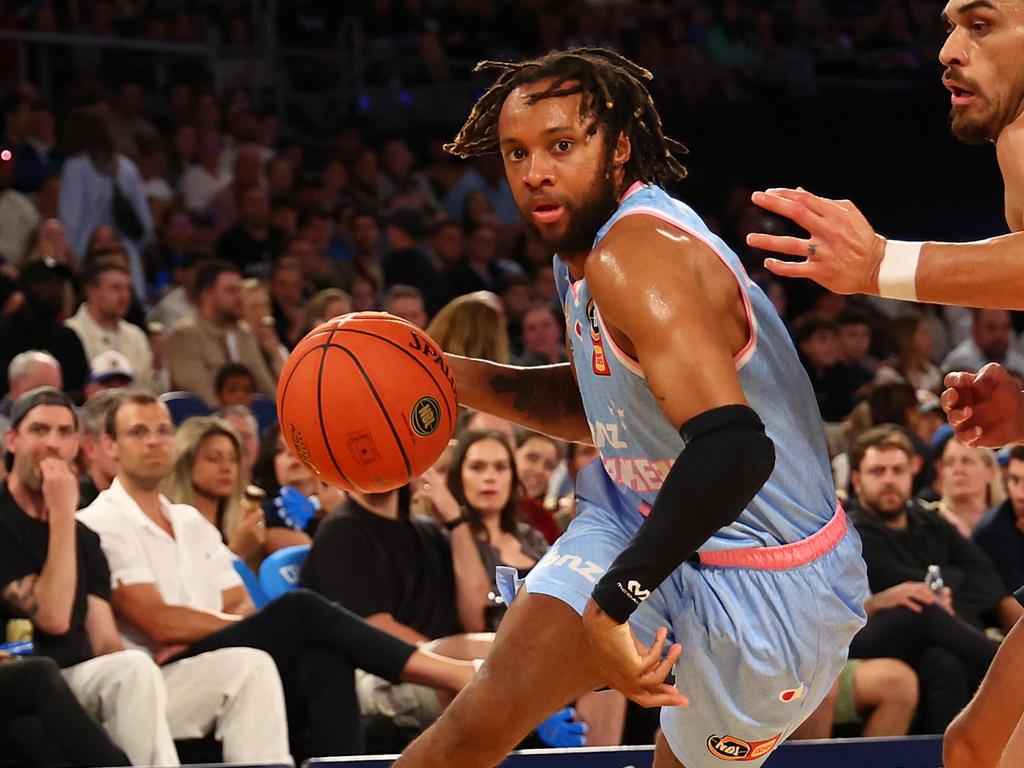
(543,398)
(844,254)
(679,307)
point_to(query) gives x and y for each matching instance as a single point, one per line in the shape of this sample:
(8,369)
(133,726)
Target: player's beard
(968,129)
(583,219)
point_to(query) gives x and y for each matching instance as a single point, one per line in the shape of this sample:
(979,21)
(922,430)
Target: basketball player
(982,57)
(710,525)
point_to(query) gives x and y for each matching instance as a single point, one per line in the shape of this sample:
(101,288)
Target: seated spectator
(1000,532)
(27,371)
(817,340)
(480,268)
(206,177)
(543,335)
(896,403)
(297,502)
(244,423)
(325,305)
(259,320)
(252,243)
(482,482)
(471,326)
(902,538)
(234,385)
(287,295)
(98,465)
(100,322)
(108,370)
(179,302)
(912,361)
(406,302)
(991,341)
(971,484)
(33,692)
(227,204)
(408,263)
(37,326)
(881,694)
(537,457)
(201,344)
(177,595)
(53,571)
(854,352)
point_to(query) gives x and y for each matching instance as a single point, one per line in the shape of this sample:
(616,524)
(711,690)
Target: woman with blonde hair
(207,475)
(258,315)
(472,325)
(324,305)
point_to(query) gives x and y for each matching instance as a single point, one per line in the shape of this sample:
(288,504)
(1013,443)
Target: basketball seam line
(320,411)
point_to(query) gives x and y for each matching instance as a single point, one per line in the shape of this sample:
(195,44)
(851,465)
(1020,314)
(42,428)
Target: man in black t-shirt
(53,572)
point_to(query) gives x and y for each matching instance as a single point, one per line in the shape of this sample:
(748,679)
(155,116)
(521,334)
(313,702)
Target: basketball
(367,402)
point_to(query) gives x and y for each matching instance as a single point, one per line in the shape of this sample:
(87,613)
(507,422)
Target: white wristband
(897,274)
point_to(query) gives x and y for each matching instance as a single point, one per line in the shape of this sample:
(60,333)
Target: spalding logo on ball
(367,401)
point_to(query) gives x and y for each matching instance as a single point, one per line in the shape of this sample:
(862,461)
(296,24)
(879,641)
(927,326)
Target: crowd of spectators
(175,242)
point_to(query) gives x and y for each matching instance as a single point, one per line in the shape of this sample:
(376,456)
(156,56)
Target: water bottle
(934,580)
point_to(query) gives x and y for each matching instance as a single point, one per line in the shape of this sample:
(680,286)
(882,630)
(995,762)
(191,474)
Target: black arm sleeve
(726,458)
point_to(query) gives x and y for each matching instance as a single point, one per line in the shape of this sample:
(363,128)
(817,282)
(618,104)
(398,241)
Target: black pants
(42,723)
(317,646)
(949,656)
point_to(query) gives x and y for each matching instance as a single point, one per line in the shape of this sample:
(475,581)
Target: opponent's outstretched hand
(635,671)
(843,252)
(985,408)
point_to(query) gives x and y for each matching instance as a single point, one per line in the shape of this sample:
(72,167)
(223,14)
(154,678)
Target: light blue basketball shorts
(765,631)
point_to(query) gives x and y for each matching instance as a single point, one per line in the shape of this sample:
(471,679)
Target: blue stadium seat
(265,411)
(184,405)
(280,572)
(251,582)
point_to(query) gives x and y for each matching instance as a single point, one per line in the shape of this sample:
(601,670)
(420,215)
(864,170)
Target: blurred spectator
(18,217)
(286,299)
(398,177)
(25,372)
(247,171)
(971,485)
(201,181)
(990,341)
(109,370)
(817,340)
(36,325)
(179,597)
(471,326)
(244,423)
(252,243)
(175,240)
(537,457)
(50,240)
(184,151)
(854,345)
(212,336)
(479,269)
(33,693)
(16,113)
(127,122)
(178,302)
(280,177)
(258,319)
(1000,533)
(447,244)
(897,403)
(310,246)
(36,161)
(408,263)
(902,538)
(100,322)
(912,361)
(53,571)
(325,305)
(101,187)
(364,179)
(406,302)
(487,174)
(365,298)
(99,468)
(234,385)
(368,261)
(543,338)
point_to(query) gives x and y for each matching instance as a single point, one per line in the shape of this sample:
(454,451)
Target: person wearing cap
(37,325)
(53,572)
(99,321)
(109,370)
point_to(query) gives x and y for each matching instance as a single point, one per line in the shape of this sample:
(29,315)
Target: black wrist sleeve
(725,460)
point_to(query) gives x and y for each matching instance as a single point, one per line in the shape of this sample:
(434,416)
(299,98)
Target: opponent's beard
(970,130)
(584,220)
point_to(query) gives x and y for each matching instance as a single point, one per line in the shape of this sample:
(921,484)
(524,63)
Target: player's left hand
(637,672)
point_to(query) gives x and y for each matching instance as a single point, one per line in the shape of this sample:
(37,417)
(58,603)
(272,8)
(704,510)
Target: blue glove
(560,730)
(295,509)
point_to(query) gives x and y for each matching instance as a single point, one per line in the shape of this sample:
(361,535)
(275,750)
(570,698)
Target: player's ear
(623,150)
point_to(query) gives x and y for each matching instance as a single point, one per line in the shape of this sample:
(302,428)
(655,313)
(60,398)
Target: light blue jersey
(638,444)
(767,614)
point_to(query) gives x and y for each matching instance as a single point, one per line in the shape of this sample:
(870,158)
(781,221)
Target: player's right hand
(59,488)
(843,252)
(986,408)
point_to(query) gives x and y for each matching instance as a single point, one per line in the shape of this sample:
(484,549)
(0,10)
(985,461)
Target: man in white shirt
(206,178)
(99,322)
(991,341)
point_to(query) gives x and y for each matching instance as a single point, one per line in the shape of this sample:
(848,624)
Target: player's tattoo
(545,394)
(812,248)
(21,596)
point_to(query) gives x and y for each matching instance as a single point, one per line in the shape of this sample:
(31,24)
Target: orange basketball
(367,402)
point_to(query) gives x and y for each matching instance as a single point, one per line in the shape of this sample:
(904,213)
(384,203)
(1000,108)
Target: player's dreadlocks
(613,93)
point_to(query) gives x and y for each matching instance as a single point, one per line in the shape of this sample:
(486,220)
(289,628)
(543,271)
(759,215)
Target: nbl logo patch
(737,750)
(425,416)
(599,362)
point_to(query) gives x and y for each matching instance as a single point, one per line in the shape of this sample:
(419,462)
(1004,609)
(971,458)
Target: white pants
(233,694)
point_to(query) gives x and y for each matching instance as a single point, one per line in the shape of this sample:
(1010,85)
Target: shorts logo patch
(737,750)
(793,694)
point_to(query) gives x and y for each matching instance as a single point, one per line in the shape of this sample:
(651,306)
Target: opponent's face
(982,58)
(883,481)
(563,179)
(487,476)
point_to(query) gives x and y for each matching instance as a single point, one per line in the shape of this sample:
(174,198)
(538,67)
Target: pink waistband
(782,557)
